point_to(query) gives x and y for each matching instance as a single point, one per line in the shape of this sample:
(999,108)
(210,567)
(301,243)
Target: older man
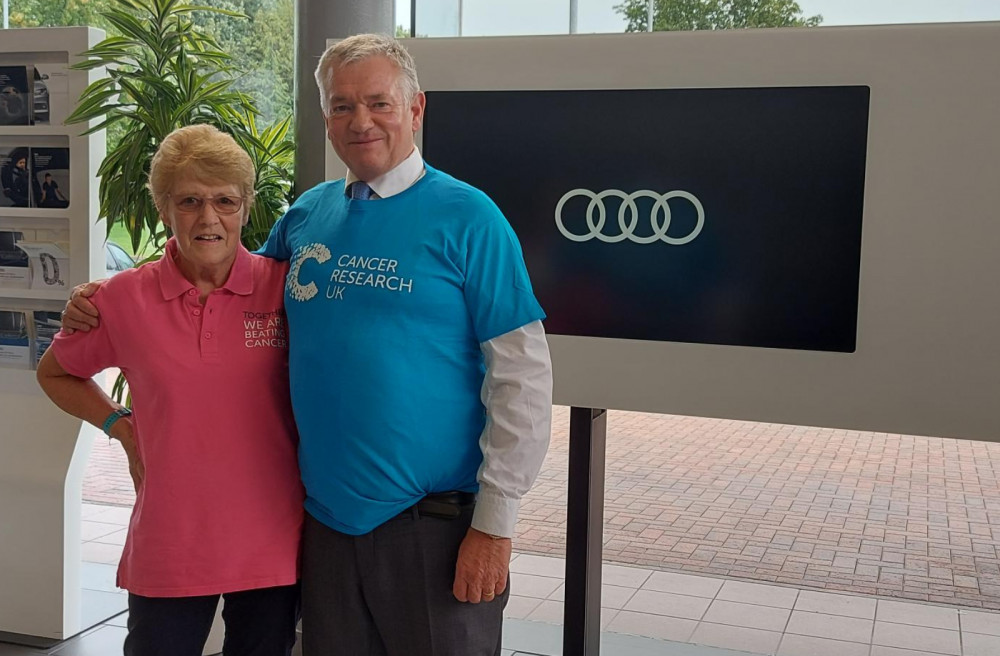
(420,379)
(420,375)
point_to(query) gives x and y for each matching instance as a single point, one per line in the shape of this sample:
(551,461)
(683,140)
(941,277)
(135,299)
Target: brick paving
(872,513)
(106,480)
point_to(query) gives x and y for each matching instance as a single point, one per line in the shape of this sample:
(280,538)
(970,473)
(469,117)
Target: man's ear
(417,109)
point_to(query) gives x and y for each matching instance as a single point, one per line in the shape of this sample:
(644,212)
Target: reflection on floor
(645,613)
(755,617)
(540,639)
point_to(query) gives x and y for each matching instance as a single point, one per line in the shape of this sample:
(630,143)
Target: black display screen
(764,188)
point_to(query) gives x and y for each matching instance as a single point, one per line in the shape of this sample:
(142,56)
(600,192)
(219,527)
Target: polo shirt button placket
(209,331)
(192,305)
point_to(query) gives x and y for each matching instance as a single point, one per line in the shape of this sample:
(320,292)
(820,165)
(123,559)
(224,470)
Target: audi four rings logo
(628,216)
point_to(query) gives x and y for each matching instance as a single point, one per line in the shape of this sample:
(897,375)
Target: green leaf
(162,71)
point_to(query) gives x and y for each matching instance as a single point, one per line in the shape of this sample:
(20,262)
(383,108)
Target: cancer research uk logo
(351,271)
(628,216)
(296,289)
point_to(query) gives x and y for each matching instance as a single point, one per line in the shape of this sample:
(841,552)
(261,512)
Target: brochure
(15,95)
(50,94)
(33,257)
(47,324)
(15,176)
(49,265)
(14,340)
(15,271)
(50,172)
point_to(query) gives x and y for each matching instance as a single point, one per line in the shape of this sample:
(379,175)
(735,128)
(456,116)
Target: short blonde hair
(203,151)
(363,46)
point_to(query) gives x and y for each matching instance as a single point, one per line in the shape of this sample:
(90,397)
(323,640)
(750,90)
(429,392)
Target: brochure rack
(49,242)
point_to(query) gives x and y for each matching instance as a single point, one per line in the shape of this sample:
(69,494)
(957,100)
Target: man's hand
(481,570)
(123,430)
(80,313)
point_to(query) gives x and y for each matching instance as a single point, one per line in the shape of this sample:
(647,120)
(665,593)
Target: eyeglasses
(194,204)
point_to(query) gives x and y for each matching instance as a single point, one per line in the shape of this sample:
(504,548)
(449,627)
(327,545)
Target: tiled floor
(663,610)
(104,640)
(754,617)
(103,532)
(882,514)
(542,640)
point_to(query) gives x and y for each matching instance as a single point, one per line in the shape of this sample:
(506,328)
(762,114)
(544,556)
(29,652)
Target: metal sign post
(584,531)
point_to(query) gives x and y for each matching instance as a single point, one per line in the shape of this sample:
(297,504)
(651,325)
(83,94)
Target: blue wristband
(112,418)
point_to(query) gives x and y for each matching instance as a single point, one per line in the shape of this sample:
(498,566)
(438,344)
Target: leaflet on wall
(50,175)
(15,176)
(49,265)
(15,95)
(50,94)
(33,257)
(47,324)
(15,272)
(15,342)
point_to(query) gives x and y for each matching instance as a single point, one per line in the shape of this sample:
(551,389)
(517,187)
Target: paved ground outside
(871,513)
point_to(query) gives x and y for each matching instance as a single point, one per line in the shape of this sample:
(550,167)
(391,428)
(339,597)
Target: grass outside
(119,235)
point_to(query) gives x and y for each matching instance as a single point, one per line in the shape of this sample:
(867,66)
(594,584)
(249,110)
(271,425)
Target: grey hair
(362,46)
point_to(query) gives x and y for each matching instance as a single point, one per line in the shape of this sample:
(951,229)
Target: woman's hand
(123,430)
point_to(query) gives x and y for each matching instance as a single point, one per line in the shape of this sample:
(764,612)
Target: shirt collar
(174,284)
(396,180)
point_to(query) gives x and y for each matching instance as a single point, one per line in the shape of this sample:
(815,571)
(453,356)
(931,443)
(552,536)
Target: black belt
(443,505)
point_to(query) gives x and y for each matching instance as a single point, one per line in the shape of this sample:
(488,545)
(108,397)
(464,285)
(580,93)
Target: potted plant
(164,73)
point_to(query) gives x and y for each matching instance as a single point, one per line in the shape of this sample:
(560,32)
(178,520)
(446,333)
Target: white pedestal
(43,451)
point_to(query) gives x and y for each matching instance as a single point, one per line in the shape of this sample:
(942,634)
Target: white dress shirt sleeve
(517,393)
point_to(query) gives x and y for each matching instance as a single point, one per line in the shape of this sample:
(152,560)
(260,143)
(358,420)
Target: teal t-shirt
(387,302)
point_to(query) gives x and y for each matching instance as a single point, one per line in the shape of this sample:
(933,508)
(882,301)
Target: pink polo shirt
(220,508)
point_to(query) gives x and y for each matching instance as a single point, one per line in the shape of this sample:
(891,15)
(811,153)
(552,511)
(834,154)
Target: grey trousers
(389,592)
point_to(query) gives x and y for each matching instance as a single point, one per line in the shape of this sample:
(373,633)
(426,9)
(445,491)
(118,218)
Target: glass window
(109,259)
(876,12)
(440,18)
(523,17)
(261,44)
(122,261)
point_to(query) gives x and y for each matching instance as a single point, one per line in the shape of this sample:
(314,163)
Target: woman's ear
(165,218)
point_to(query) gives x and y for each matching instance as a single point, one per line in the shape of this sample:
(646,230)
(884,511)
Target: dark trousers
(258,623)
(389,592)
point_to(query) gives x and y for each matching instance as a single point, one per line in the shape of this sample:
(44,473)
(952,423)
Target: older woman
(200,336)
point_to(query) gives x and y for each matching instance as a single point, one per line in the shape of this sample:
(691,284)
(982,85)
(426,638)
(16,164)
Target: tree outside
(57,13)
(260,43)
(257,44)
(674,15)
(261,47)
